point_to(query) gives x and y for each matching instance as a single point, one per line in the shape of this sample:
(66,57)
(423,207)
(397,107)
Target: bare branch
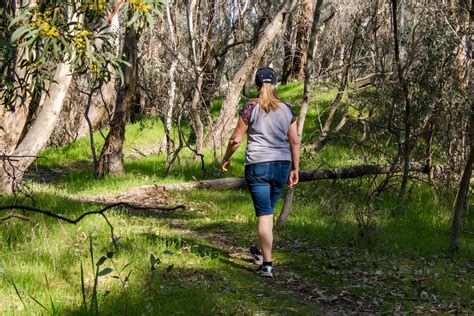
(75,221)
(15,215)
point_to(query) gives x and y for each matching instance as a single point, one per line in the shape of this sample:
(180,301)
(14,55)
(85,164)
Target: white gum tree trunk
(39,133)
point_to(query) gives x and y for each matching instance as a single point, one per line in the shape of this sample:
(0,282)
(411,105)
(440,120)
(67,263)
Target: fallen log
(324,174)
(358,171)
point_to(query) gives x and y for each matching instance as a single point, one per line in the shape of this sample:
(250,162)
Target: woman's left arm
(234,143)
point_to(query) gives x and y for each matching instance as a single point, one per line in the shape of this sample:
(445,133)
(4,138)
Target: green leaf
(55,47)
(122,77)
(21,17)
(63,41)
(29,42)
(134,18)
(101,261)
(126,266)
(19,32)
(33,33)
(105,272)
(169,268)
(32,55)
(45,49)
(37,302)
(128,276)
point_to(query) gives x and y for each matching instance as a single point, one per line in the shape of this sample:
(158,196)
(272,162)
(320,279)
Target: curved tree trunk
(38,135)
(226,120)
(111,156)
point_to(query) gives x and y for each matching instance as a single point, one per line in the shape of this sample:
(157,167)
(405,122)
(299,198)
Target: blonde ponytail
(268,98)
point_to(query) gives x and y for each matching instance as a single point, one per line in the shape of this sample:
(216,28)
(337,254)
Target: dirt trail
(289,283)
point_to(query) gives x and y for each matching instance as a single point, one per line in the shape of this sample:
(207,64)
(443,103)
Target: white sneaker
(265,271)
(256,254)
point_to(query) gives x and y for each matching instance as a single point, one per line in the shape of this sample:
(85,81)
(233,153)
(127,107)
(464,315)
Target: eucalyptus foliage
(35,38)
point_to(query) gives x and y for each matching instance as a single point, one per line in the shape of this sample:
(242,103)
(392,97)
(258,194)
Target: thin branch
(75,221)
(15,215)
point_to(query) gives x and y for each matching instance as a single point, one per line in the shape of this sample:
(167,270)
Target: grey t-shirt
(267,134)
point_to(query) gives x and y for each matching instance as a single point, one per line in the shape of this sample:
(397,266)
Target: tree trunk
(288,50)
(262,19)
(196,115)
(461,196)
(301,45)
(194,107)
(226,120)
(98,108)
(12,124)
(13,117)
(39,133)
(309,66)
(104,100)
(111,156)
(407,98)
(172,82)
(286,210)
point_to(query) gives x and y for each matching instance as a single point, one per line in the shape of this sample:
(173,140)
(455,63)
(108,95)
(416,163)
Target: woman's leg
(258,177)
(265,236)
(280,179)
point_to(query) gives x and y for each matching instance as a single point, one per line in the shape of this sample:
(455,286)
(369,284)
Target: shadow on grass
(218,285)
(190,291)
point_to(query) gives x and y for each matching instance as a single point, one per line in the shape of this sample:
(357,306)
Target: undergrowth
(344,248)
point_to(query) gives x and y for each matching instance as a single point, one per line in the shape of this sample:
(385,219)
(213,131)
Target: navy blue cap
(265,75)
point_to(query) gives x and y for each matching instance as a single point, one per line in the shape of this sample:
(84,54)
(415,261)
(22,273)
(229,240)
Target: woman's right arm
(234,143)
(294,141)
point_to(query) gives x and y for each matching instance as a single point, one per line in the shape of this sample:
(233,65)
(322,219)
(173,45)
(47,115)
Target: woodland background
(383,90)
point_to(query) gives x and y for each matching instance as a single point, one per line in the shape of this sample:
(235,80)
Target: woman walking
(271,157)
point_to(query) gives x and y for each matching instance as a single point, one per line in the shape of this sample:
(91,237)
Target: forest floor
(204,248)
(343,251)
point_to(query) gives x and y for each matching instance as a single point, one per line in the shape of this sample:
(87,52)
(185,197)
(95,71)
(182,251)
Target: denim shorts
(265,181)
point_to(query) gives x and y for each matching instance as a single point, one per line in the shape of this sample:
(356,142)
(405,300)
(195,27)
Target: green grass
(337,248)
